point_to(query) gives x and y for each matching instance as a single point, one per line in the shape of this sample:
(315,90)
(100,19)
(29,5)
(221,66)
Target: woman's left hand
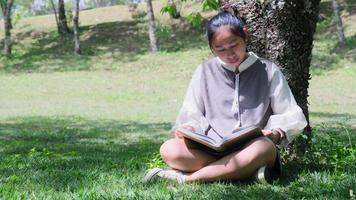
(276,135)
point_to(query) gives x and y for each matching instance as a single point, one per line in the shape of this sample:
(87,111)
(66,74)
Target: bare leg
(235,166)
(180,154)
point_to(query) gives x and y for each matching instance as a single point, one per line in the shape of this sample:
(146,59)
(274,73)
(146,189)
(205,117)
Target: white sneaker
(267,175)
(157,173)
(263,175)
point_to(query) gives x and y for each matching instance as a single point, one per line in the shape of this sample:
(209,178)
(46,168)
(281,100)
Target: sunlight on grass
(87,127)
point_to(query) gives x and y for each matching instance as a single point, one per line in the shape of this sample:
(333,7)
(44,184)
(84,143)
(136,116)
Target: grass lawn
(88,127)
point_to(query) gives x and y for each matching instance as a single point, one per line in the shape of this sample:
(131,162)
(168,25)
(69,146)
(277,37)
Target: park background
(88,126)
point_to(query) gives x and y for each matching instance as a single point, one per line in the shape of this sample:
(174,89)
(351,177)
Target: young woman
(235,89)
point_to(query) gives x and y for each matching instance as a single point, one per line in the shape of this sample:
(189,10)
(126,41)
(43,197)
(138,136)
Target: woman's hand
(179,134)
(276,135)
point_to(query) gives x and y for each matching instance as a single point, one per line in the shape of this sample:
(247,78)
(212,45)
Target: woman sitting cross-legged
(236,89)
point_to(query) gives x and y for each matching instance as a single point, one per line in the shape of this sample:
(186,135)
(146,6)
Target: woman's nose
(230,52)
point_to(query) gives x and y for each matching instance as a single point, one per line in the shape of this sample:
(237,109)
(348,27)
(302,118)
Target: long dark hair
(224,18)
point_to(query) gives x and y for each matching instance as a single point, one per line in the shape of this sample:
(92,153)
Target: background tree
(6,6)
(151,27)
(339,26)
(76,28)
(62,20)
(282,31)
(55,13)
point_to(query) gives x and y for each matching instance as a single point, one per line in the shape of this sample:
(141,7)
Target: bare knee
(257,153)
(170,150)
(263,152)
(179,154)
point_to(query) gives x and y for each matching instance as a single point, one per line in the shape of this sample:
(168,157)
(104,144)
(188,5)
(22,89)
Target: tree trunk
(282,31)
(62,20)
(292,25)
(6,10)
(252,14)
(339,27)
(77,49)
(151,27)
(55,14)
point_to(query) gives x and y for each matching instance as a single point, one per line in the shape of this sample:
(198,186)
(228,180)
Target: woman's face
(228,47)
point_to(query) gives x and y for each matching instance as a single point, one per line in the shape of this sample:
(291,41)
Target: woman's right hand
(179,134)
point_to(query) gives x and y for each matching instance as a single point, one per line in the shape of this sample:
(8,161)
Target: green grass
(87,127)
(73,157)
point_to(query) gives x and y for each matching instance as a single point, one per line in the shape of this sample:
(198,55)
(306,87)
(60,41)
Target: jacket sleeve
(192,110)
(287,115)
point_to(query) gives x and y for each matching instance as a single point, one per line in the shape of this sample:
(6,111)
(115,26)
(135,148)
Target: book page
(196,135)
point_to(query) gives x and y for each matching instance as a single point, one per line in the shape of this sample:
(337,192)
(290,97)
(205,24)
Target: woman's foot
(169,174)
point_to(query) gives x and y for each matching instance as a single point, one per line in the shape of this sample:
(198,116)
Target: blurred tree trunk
(77,49)
(6,6)
(62,20)
(282,31)
(339,27)
(151,27)
(55,13)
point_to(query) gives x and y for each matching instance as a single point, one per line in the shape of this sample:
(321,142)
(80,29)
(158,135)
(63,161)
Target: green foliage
(2,4)
(195,19)
(170,9)
(210,5)
(164,32)
(16,17)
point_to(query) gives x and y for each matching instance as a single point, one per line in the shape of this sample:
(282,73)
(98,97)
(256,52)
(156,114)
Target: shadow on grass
(62,153)
(331,151)
(335,118)
(349,52)
(123,41)
(70,153)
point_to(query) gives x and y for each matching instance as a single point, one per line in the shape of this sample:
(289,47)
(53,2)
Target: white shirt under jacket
(287,115)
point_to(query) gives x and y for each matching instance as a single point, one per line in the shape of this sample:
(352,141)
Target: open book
(237,138)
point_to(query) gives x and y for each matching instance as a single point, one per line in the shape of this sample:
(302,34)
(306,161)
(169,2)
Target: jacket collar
(252,57)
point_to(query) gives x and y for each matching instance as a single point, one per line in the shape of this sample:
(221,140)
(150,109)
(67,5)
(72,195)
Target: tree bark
(6,10)
(282,31)
(62,20)
(339,26)
(252,14)
(151,27)
(77,49)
